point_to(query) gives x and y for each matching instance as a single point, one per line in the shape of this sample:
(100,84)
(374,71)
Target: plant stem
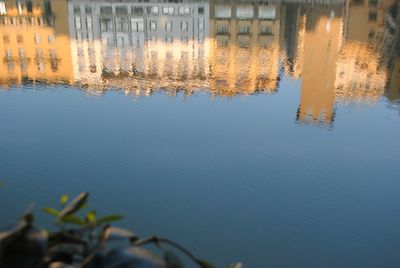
(156,239)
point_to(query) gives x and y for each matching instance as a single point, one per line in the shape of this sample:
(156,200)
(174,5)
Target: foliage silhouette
(86,242)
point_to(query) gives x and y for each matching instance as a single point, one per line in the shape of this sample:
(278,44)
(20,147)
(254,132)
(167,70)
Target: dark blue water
(260,132)
(234,179)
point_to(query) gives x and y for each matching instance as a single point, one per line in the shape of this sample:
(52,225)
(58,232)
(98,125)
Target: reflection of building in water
(393,92)
(365,20)
(393,86)
(245,47)
(322,41)
(363,59)
(138,45)
(33,35)
(294,32)
(360,76)
(340,50)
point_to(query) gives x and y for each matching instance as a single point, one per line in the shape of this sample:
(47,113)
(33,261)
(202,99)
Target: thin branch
(156,239)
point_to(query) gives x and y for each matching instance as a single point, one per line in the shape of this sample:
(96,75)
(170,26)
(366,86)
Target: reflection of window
(8,53)
(244,29)
(153,25)
(6,39)
(184,25)
(168,26)
(222,29)
(106,25)
(20,39)
(10,65)
(53,60)
(371,34)
(78,24)
(222,11)
(88,9)
(24,66)
(19,5)
(89,23)
(28,4)
(3,9)
(47,7)
(122,25)
(168,10)
(244,42)
(21,52)
(137,25)
(265,30)
(152,10)
(51,38)
(22,20)
(373,3)
(168,39)
(200,10)
(372,16)
(77,9)
(201,24)
(121,10)
(105,10)
(40,65)
(137,10)
(267,12)
(184,10)
(110,42)
(201,38)
(244,12)
(80,52)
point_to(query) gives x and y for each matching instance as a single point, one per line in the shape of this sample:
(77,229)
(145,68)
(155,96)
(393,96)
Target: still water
(261,132)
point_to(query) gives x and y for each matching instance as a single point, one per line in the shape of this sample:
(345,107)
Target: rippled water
(253,131)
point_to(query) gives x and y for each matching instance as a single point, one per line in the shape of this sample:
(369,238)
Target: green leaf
(64,199)
(51,211)
(91,216)
(73,219)
(205,264)
(74,205)
(172,260)
(109,218)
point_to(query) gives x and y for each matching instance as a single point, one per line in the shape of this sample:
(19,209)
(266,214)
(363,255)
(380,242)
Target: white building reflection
(164,42)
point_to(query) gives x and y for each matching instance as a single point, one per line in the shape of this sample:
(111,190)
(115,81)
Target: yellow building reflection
(321,45)
(245,47)
(393,91)
(363,59)
(33,38)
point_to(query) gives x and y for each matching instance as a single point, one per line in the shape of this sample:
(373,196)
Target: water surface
(261,132)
